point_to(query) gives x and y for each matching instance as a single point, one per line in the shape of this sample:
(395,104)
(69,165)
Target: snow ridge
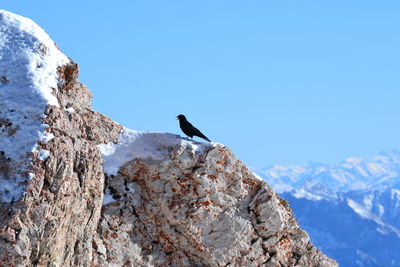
(29,60)
(133,144)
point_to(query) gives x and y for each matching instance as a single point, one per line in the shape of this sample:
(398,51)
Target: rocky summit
(78,189)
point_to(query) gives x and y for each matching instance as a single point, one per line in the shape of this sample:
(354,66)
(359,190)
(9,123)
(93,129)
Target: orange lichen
(206,203)
(114,235)
(212,176)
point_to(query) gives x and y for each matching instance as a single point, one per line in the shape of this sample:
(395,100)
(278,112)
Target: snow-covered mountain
(351,211)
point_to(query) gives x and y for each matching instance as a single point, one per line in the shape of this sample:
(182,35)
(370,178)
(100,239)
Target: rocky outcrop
(183,204)
(55,220)
(198,208)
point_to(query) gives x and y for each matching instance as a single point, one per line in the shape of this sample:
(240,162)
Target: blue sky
(279,82)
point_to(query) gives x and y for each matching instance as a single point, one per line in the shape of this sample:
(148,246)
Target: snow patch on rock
(29,60)
(133,144)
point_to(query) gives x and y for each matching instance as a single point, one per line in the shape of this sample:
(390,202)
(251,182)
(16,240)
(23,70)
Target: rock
(55,219)
(167,201)
(210,211)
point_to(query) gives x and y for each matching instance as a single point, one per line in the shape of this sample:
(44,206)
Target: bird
(188,129)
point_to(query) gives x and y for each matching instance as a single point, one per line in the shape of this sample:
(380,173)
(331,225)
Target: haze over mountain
(350,210)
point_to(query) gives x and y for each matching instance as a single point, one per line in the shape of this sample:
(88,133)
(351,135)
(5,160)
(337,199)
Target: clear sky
(279,82)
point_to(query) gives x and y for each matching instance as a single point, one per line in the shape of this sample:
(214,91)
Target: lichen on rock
(210,211)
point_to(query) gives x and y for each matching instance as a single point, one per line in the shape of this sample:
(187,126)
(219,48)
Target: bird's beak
(176,117)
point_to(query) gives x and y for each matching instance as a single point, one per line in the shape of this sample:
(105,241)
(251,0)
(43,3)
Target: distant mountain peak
(353,173)
(351,210)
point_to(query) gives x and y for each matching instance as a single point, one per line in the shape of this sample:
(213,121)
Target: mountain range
(351,210)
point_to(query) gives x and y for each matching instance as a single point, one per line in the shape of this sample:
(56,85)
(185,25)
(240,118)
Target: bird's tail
(205,137)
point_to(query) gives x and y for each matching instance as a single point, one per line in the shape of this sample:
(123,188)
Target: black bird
(188,129)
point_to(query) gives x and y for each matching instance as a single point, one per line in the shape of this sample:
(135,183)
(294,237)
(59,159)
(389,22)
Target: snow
(376,169)
(70,110)
(353,160)
(363,212)
(130,187)
(368,201)
(301,193)
(257,176)
(352,174)
(381,210)
(28,73)
(44,154)
(133,144)
(360,210)
(107,199)
(395,194)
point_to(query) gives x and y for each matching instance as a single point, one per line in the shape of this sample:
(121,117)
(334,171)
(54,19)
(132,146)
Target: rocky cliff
(78,189)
